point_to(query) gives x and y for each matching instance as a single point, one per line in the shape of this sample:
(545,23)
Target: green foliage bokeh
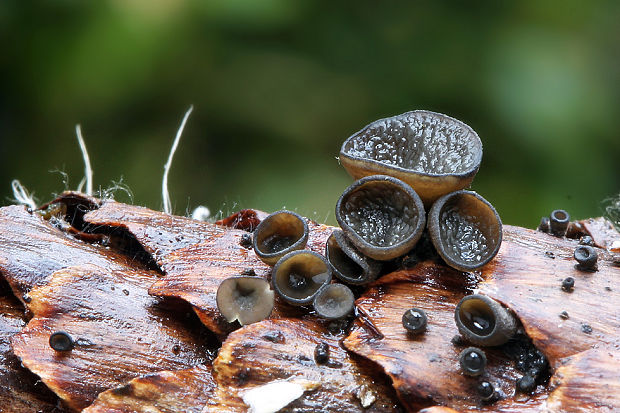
(278,85)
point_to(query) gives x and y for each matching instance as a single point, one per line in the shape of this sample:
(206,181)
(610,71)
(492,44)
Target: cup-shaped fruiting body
(334,301)
(465,230)
(434,153)
(382,216)
(473,361)
(61,341)
(246,299)
(483,321)
(558,222)
(586,256)
(299,275)
(347,263)
(279,234)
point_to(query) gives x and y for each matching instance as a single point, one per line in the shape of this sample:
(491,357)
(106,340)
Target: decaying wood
(20,390)
(587,382)
(527,276)
(284,349)
(139,353)
(32,249)
(164,392)
(121,332)
(379,335)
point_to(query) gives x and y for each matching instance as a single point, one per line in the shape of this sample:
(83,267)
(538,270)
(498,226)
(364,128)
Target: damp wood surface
(164,392)
(284,349)
(20,390)
(121,332)
(69,284)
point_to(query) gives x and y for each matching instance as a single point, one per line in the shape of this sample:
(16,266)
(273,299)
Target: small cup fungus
(334,301)
(298,276)
(246,299)
(382,216)
(348,264)
(465,229)
(483,321)
(61,341)
(279,234)
(473,361)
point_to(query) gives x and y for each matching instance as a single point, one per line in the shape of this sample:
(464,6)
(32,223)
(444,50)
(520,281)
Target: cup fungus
(334,301)
(61,341)
(279,234)
(298,276)
(586,257)
(246,299)
(483,321)
(432,152)
(465,229)
(347,263)
(382,216)
(558,222)
(472,361)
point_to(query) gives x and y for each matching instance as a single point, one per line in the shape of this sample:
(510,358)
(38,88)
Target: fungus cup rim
(272,258)
(434,229)
(376,252)
(310,298)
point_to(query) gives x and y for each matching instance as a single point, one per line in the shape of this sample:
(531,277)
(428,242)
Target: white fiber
(22,196)
(164,183)
(201,213)
(88,171)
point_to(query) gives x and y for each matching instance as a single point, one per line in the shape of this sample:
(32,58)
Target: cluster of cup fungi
(410,172)
(557,224)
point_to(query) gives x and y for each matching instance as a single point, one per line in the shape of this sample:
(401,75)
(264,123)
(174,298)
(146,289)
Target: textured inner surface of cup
(477,316)
(422,142)
(310,269)
(469,229)
(381,213)
(279,232)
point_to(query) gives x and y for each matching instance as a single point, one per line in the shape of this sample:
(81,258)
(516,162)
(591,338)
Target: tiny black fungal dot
(586,328)
(550,254)
(61,341)
(414,320)
(176,349)
(526,384)
(485,390)
(586,240)
(126,292)
(248,271)
(607,288)
(321,353)
(568,283)
(457,340)
(564,315)
(246,241)
(472,361)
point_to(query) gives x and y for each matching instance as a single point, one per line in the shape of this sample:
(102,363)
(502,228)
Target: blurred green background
(277,85)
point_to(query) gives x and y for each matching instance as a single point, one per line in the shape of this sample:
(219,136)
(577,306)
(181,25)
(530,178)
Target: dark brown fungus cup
(473,361)
(334,301)
(347,263)
(465,229)
(279,234)
(434,153)
(246,299)
(483,321)
(382,216)
(558,222)
(299,275)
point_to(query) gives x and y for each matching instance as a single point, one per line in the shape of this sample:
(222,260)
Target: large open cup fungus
(434,153)
(244,298)
(465,229)
(279,234)
(334,301)
(298,276)
(348,264)
(483,321)
(382,216)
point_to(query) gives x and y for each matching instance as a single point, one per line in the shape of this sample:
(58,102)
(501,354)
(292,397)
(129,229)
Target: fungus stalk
(164,182)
